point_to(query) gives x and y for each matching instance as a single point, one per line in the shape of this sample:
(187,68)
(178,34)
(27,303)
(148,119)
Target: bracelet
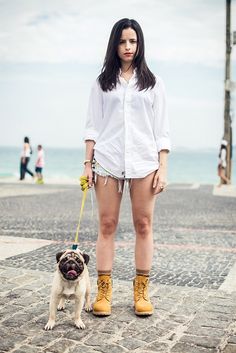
(87,161)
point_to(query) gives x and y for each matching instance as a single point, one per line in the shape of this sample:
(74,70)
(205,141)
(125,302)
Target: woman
(222,164)
(25,158)
(127,138)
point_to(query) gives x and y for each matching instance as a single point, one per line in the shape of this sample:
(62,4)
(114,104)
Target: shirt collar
(134,76)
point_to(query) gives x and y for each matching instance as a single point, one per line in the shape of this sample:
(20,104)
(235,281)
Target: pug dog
(71,281)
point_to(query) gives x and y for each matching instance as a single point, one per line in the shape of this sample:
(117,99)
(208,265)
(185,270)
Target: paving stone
(6,288)
(25,302)
(44,339)
(186,348)
(205,322)
(83,349)
(110,348)
(131,344)
(168,325)
(158,347)
(76,335)
(205,331)
(9,310)
(178,319)
(220,309)
(206,342)
(36,310)
(27,349)
(42,320)
(219,316)
(232,339)
(60,346)
(98,338)
(115,326)
(7,343)
(150,334)
(16,319)
(231,348)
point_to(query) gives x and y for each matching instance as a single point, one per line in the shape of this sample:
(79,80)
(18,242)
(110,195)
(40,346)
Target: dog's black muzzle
(71,266)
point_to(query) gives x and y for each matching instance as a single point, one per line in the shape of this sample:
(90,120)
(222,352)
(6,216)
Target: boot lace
(103,288)
(142,290)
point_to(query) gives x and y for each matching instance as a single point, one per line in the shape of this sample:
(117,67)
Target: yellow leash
(84,187)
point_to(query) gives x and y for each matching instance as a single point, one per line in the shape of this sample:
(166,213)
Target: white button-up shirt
(129,127)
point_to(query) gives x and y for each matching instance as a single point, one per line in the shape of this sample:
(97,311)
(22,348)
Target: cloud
(66,31)
(196,122)
(52,50)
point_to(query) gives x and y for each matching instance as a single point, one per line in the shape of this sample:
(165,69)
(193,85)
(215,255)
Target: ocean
(184,166)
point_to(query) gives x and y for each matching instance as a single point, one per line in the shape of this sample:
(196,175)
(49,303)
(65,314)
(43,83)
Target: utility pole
(228,86)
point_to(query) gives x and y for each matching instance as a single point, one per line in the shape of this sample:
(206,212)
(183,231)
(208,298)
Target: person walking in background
(127,139)
(39,165)
(222,164)
(25,158)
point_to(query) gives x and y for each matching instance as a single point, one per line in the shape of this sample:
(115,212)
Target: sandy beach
(193,276)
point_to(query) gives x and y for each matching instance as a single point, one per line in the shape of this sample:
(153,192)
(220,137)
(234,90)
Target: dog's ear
(86,258)
(59,254)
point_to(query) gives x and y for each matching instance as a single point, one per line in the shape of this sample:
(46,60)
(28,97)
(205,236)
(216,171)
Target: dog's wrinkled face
(71,264)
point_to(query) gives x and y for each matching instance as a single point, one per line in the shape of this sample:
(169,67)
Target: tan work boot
(102,304)
(142,304)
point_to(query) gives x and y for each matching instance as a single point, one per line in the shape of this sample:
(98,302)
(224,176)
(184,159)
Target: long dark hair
(222,147)
(111,66)
(26,140)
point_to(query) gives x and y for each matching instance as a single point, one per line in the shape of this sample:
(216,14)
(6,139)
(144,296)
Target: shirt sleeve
(161,120)
(94,114)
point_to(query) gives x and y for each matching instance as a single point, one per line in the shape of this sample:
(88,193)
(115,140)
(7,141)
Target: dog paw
(61,307)
(50,325)
(88,307)
(79,324)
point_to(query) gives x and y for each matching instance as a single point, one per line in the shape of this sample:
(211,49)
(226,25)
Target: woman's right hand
(89,173)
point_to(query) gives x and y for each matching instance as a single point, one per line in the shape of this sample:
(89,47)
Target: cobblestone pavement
(195,256)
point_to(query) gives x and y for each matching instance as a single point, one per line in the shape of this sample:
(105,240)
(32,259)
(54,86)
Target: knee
(108,226)
(143,227)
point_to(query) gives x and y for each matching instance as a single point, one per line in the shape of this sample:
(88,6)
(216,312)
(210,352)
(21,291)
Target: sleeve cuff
(90,135)
(163,144)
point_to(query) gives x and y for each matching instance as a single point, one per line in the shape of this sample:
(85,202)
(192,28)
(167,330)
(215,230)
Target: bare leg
(143,201)
(108,199)
(223,176)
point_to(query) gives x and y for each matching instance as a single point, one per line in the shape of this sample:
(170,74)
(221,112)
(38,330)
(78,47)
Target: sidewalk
(193,277)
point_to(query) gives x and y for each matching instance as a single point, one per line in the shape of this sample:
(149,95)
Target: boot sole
(102,313)
(147,313)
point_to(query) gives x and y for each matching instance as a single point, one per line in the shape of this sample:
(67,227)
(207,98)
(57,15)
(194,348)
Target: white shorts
(99,170)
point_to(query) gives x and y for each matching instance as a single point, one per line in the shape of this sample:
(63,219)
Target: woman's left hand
(159,180)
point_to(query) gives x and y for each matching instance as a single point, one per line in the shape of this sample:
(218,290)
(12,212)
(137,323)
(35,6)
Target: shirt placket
(127,113)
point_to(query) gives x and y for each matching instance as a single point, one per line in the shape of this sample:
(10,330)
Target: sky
(51,51)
